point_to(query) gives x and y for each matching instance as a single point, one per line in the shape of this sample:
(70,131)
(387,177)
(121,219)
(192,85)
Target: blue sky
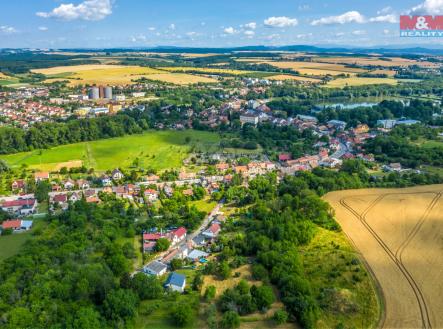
(206,23)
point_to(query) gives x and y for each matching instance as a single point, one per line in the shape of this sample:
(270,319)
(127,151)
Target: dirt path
(400,234)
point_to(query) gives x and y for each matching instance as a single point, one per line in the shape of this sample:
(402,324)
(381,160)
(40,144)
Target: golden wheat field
(399,233)
(205,70)
(356,81)
(179,78)
(375,61)
(283,77)
(314,68)
(116,75)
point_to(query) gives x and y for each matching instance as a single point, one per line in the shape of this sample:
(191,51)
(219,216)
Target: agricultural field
(312,68)
(159,150)
(115,75)
(206,70)
(399,232)
(356,81)
(283,77)
(179,78)
(374,61)
(7,80)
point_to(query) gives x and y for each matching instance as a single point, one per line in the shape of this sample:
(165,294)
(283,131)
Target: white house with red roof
(212,230)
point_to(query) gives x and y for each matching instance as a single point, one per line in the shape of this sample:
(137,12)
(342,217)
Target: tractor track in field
(397,256)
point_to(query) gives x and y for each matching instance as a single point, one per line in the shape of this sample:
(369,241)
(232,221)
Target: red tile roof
(18,203)
(181,231)
(14,224)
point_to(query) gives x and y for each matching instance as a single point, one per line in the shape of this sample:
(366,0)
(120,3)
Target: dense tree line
(74,273)
(45,135)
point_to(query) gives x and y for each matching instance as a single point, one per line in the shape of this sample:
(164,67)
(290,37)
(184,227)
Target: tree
(182,314)
(87,317)
(210,293)
(146,286)
(162,244)
(120,304)
(230,320)
(42,190)
(263,296)
(197,282)
(176,264)
(224,270)
(280,317)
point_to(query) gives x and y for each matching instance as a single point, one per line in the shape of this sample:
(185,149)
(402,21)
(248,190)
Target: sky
(208,23)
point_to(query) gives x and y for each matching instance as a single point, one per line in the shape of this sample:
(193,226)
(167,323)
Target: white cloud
(249,34)
(151,28)
(88,10)
(192,34)
(348,17)
(43,28)
(230,30)
(384,11)
(386,31)
(389,18)
(282,21)
(251,26)
(304,7)
(138,38)
(358,32)
(172,26)
(7,29)
(428,7)
(273,36)
(339,34)
(304,36)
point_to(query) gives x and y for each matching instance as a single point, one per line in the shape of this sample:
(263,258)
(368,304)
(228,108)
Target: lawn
(204,205)
(331,262)
(155,149)
(10,245)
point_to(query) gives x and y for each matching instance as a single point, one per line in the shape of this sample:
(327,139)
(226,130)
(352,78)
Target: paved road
(206,221)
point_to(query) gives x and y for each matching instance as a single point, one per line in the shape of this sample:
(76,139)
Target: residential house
(155,268)
(176,282)
(41,176)
(222,167)
(105,180)
(117,174)
(20,207)
(212,231)
(17,225)
(83,184)
(18,185)
(195,255)
(151,195)
(178,235)
(69,184)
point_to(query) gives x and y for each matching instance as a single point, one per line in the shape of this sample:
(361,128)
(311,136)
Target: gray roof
(155,266)
(195,254)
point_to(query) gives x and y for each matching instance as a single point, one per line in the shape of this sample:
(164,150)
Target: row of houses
(17,225)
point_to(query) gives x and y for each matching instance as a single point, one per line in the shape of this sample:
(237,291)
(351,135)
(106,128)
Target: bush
(210,293)
(182,314)
(176,264)
(280,317)
(230,320)
(7,231)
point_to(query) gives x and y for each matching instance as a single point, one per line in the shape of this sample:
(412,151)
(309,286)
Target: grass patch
(155,149)
(204,205)
(10,245)
(340,282)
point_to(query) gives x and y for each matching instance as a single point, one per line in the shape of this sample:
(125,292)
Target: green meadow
(155,149)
